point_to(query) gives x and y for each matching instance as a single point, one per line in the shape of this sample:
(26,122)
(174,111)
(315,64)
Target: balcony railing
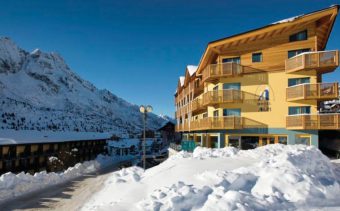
(313,122)
(196,104)
(318,91)
(222,96)
(322,61)
(229,69)
(212,123)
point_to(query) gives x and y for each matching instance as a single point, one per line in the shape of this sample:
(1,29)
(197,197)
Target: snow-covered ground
(273,177)
(12,185)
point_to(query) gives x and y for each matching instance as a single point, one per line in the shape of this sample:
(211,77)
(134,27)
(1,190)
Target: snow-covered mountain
(39,91)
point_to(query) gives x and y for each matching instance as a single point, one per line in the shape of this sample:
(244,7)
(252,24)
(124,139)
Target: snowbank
(12,185)
(273,177)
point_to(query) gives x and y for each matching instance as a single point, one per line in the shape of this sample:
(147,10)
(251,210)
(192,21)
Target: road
(68,196)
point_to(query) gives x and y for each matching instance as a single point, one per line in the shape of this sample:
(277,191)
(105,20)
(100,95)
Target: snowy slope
(38,91)
(273,177)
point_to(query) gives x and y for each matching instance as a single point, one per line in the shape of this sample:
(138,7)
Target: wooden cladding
(230,69)
(322,61)
(318,91)
(313,122)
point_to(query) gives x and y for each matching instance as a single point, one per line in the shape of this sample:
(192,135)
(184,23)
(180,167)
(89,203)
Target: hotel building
(262,86)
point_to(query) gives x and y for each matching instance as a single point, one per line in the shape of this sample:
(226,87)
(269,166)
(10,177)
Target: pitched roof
(192,69)
(330,12)
(181,80)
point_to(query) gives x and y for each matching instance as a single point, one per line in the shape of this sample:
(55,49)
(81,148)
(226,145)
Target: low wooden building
(20,153)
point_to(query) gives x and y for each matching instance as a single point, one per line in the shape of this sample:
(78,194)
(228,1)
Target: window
(302,139)
(298,36)
(232,112)
(299,110)
(216,113)
(283,140)
(235,86)
(257,57)
(297,81)
(234,60)
(297,52)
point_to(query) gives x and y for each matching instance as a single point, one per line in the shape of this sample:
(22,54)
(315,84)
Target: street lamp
(144,110)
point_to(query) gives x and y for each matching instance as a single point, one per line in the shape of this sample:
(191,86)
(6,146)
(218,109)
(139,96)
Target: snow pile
(273,177)
(12,185)
(132,174)
(202,152)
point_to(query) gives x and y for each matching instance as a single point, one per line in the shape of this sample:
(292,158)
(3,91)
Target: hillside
(38,91)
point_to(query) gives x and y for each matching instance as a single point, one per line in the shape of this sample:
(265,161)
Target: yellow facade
(201,99)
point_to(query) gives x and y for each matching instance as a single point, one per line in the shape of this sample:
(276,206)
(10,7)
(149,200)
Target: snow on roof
(34,136)
(124,143)
(127,143)
(181,80)
(288,19)
(192,69)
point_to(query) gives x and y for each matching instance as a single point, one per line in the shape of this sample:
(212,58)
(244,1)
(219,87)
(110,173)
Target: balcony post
(336,58)
(303,61)
(233,122)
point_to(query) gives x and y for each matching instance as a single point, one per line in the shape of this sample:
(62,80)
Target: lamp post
(144,110)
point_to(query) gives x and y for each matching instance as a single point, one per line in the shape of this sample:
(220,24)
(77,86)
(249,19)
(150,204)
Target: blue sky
(138,49)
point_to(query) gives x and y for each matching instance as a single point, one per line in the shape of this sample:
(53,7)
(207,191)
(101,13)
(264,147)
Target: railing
(313,91)
(324,60)
(222,96)
(196,104)
(313,122)
(211,123)
(228,69)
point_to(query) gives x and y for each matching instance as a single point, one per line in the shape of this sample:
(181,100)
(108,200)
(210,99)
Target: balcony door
(297,81)
(231,95)
(232,112)
(231,66)
(296,110)
(235,86)
(293,53)
(236,60)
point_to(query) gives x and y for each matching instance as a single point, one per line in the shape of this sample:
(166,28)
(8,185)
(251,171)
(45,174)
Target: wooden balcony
(322,61)
(197,105)
(182,111)
(215,71)
(211,123)
(313,122)
(222,96)
(318,91)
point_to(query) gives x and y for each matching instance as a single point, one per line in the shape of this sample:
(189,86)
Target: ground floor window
(233,141)
(303,139)
(282,140)
(249,142)
(213,141)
